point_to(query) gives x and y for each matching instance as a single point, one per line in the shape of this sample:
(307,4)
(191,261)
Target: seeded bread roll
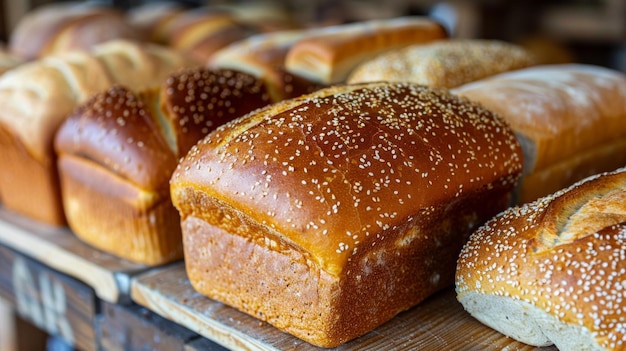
(570,120)
(443,63)
(330,55)
(553,271)
(117,152)
(327,215)
(36,97)
(60,27)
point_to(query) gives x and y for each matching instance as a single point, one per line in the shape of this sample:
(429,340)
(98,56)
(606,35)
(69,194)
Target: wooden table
(96,301)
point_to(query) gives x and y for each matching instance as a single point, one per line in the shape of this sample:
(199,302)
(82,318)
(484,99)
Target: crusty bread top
(335,171)
(36,97)
(443,63)
(141,136)
(562,109)
(329,55)
(564,253)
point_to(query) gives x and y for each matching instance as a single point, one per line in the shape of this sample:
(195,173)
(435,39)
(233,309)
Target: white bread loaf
(36,97)
(328,214)
(553,271)
(570,120)
(329,55)
(443,63)
(116,154)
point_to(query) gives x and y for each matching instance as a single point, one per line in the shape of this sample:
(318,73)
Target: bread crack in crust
(553,271)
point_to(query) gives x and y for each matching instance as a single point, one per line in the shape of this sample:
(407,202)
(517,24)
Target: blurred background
(585,31)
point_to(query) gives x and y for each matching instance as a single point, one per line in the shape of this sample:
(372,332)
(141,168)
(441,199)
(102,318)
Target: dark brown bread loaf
(553,271)
(329,214)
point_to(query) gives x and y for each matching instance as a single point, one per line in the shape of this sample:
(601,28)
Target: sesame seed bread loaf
(36,97)
(570,120)
(328,214)
(117,152)
(328,57)
(443,63)
(553,271)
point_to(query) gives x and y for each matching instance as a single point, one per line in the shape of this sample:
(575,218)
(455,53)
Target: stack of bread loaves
(117,151)
(328,214)
(553,271)
(570,120)
(36,97)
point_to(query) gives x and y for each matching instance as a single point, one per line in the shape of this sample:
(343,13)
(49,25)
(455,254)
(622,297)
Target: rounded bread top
(336,170)
(564,253)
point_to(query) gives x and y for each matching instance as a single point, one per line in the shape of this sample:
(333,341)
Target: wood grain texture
(60,249)
(133,327)
(55,303)
(440,323)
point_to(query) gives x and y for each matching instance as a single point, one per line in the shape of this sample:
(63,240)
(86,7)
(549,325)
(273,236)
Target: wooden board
(61,250)
(440,323)
(133,327)
(51,301)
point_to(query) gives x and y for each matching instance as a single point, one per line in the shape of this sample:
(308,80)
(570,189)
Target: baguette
(328,214)
(553,271)
(330,55)
(568,118)
(36,97)
(117,152)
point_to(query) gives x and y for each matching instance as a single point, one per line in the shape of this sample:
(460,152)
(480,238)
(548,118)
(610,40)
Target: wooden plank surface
(52,301)
(440,323)
(133,327)
(61,250)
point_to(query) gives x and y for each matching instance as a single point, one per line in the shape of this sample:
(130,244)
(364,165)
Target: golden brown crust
(443,63)
(329,55)
(263,56)
(117,153)
(35,98)
(360,184)
(559,113)
(27,185)
(203,31)
(562,254)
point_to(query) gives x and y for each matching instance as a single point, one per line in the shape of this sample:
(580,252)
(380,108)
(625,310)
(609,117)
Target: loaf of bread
(443,63)
(60,27)
(263,56)
(36,97)
(328,214)
(553,271)
(329,56)
(155,19)
(203,31)
(116,154)
(570,120)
